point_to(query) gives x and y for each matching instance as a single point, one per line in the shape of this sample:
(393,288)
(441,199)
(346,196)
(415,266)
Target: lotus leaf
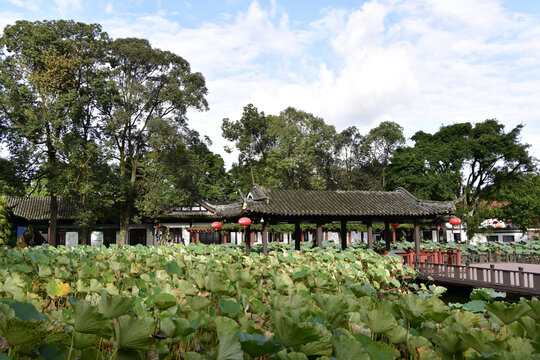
(257,345)
(57,288)
(89,320)
(229,348)
(25,311)
(292,333)
(164,301)
(346,348)
(230,308)
(506,312)
(380,322)
(449,341)
(113,306)
(132,333)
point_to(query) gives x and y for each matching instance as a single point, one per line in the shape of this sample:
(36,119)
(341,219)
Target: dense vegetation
(204,302)
(104,123)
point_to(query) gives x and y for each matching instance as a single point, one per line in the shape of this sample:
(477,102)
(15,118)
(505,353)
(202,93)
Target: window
(493,238)
(457,237)
(508,238)
(427,235)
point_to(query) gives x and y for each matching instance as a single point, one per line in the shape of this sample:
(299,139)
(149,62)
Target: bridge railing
(517,281)
(436,257)
(473,258)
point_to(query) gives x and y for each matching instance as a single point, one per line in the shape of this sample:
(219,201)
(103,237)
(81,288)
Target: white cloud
(420,63)
(109,9)
(28,4)
(65,5)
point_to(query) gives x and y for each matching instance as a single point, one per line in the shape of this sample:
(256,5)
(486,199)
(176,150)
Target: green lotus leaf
(535,307)
(173,268)
(132,333)
(257,345)
(378,350)
(4,357)
(198,302)
(224,325)
(164,301)
(84,341)
(291,333)
(229,348)
(363,290)
(191,355)
(258,307)
(530,325)
(113,306)
(475,306)
(25,311)
(187,287)
(346,348)
(173,326)
(380,322)
(397,334)
(321,347)
(284,355)
(230,308)
(486,294)
(57,288)
(449,341)
(89,320)
(283,282)
(506,312)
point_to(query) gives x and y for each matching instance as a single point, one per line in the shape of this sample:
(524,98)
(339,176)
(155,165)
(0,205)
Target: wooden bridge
(513,273)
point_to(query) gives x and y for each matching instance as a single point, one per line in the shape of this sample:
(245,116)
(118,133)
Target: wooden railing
(473,258)
(435,257)
(519,281)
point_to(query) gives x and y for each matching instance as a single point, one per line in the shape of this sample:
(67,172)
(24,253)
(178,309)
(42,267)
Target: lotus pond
(214,302)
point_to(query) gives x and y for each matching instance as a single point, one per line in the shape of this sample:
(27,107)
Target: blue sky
(420,63)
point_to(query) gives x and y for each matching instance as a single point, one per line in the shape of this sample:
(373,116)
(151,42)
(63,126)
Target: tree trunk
(54,219)
(124,226)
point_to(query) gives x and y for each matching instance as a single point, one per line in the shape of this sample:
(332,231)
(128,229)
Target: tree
(349,156)
(380,144)
(41,73)
(251,138)
(292,150)
(151,85)
(475,164)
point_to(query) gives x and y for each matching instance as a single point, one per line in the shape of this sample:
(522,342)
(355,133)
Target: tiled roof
(37,208)
(338,203)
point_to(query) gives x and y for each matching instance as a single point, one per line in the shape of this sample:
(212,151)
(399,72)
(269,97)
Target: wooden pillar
(416,237)
(247,239)
(303,234)
(343,233)
(224,238)
(297,236)
(326,235)
(394,235)
(319,235)
(277,238)
(265,238)
(251,235)
(370,235)
(350,238)
(197,237)
(387,235)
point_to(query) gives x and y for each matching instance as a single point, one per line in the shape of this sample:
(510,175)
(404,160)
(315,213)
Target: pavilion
(268,206)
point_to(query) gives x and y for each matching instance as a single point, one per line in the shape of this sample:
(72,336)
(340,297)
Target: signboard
(72,239)
(96,238)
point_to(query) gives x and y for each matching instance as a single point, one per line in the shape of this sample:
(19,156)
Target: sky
(419,63)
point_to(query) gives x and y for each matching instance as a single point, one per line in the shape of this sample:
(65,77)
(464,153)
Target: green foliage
(5,225)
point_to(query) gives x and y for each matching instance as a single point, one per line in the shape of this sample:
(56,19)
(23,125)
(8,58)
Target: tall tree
(380,143)
(152,84)
(40,75)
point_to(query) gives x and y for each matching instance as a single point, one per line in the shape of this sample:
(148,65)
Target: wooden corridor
(519,274)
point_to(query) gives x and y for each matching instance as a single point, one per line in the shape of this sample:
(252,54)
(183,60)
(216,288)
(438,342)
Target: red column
(197,237)
(277,238)
(224,238)
(350,238)
(251,237)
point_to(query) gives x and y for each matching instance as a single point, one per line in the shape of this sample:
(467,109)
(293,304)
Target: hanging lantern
(394,225)
(245,221)
(438,228)
(216,225)
(159,225)
(455,221)
(495,221)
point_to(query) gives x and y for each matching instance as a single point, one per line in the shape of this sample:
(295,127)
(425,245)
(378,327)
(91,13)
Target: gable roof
(37,208)
(302,203)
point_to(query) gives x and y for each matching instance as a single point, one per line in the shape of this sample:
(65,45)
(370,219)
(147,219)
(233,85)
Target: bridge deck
(519,278)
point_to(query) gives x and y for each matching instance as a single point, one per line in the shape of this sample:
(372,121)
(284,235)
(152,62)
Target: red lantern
(438,228)
(216,225)
(245,221)
(159,225)
(394,225)
(455,221)
(495,221)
